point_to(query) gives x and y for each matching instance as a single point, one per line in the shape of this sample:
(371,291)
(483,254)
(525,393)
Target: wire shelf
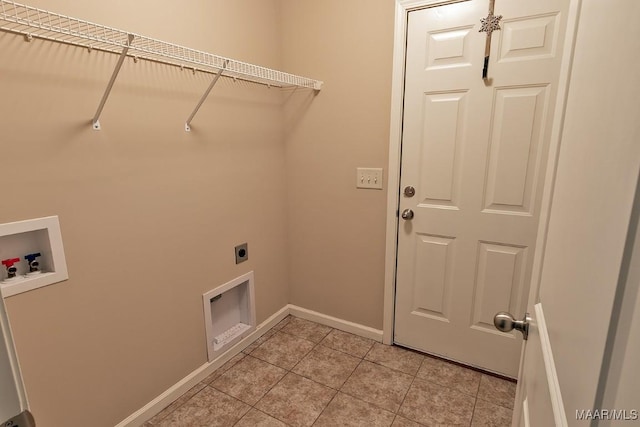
(38,23)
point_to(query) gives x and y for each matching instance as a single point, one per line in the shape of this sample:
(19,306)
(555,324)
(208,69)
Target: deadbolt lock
(409,191)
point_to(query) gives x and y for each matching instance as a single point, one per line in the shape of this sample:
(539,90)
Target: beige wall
(337,233)
(149,214)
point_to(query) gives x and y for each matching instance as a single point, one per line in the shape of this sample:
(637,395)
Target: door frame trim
(403,7)
(7,337)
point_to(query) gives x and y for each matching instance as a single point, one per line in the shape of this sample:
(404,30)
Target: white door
(588,249)
(12,396)
(476,155)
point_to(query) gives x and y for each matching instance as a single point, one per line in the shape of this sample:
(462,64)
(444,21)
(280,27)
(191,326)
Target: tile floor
(301,373)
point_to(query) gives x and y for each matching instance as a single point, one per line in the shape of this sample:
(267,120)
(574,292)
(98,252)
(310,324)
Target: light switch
(369,178)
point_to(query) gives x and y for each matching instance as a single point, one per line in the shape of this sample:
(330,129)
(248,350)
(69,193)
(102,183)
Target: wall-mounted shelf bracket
(187,125)
(114,75)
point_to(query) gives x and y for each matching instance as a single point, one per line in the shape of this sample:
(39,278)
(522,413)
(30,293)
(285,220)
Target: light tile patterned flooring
(301,373)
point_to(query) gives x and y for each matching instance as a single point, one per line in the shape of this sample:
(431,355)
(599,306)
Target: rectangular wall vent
(229,314)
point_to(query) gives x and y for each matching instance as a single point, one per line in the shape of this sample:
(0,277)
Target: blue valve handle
(31,257)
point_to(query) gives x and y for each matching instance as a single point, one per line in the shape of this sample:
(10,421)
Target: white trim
(334,322)
(7,336)
(403,7)
(393,179)
(550,368)
(178,389)
(525,413)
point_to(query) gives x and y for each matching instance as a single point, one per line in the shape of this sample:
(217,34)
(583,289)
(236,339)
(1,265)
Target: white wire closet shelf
(38,23)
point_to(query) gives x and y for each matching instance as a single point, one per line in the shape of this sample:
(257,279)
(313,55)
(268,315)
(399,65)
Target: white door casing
(579,267)
(13,397)
(476,156)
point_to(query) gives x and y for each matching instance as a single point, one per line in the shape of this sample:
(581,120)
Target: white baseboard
(178,389)
(334,322)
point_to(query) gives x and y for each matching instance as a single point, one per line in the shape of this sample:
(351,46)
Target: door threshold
(455,362)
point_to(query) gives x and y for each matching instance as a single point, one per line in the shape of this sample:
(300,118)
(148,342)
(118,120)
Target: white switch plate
(369,178)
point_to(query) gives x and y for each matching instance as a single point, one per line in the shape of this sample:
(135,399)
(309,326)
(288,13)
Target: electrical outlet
(369,178)
(242,253)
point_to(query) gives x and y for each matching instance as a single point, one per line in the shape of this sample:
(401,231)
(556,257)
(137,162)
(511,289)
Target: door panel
(515,148)
(441,147)
(499,282)
(433,301)
(589,247)
(474,153)
(529,38)
(449,48)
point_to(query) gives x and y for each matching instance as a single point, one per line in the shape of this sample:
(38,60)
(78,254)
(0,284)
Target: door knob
(407,214)
(505,322)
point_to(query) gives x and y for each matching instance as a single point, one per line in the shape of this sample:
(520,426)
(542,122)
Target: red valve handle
(9,262)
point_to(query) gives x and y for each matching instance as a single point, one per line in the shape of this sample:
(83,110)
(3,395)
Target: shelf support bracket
(123,56)
(187,125)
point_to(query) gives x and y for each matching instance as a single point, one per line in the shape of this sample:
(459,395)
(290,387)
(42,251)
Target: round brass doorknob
(407,214)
